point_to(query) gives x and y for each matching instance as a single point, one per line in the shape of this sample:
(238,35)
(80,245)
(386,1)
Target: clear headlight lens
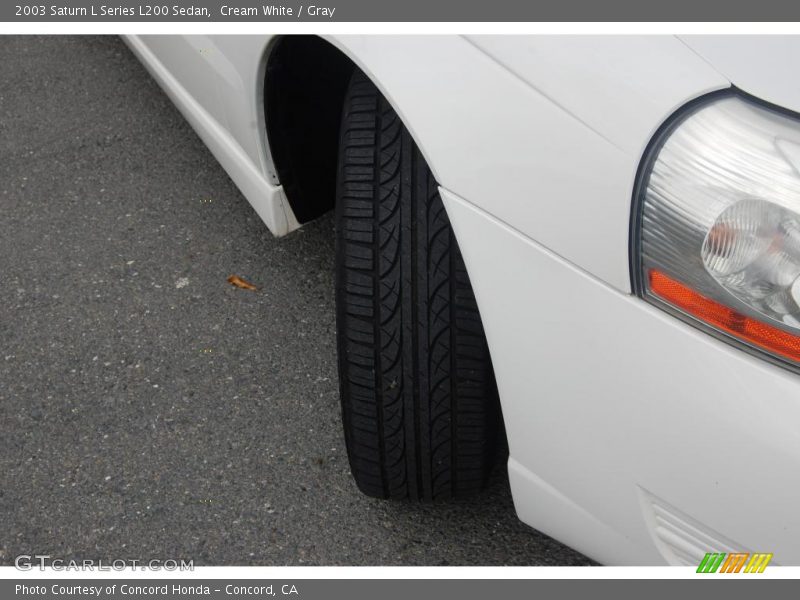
(719,230)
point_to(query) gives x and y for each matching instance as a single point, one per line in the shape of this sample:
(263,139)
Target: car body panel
(613,406)
(232,136)
(530,150)
(757,64)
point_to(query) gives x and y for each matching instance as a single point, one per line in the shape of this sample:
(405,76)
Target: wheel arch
(304,84)
(305,79)
(344,52)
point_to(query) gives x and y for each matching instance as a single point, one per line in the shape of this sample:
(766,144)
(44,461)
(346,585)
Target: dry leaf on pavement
(241,283)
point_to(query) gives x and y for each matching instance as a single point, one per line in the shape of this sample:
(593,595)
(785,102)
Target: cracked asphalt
(149,409)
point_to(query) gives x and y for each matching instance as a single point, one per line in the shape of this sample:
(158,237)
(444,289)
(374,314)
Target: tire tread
(419,402)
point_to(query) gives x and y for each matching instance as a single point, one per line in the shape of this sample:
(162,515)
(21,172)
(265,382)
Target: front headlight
(718,229)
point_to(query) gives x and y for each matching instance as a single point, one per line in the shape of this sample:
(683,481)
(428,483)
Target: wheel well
(304,89)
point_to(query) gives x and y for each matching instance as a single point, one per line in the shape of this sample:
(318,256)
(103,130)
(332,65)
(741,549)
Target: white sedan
(589,243)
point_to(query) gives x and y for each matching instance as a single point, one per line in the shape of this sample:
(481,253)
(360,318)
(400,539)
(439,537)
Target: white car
(606,227)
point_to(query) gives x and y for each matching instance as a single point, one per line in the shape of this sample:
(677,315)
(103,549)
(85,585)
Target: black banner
(734,588)
(405,11)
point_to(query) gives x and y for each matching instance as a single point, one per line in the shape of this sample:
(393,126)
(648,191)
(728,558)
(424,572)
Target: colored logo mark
(734,562)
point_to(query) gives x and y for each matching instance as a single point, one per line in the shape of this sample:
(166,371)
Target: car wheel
(419,401)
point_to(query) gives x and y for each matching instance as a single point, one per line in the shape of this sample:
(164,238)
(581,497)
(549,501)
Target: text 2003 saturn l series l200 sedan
(595,240)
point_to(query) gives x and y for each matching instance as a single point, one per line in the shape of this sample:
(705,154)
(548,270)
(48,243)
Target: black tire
(419,401)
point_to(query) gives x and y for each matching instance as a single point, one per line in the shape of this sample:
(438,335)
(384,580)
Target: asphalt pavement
(148,408)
